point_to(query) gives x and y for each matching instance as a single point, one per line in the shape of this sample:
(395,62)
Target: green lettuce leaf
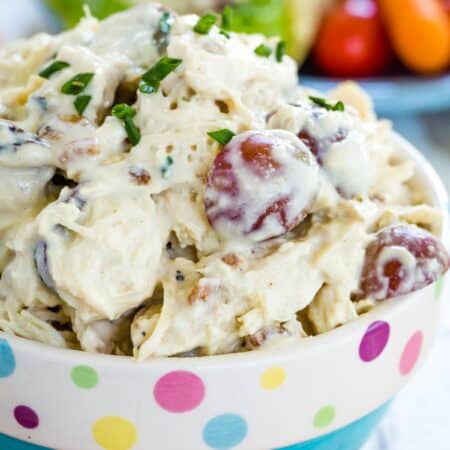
(72,11)
(268,17)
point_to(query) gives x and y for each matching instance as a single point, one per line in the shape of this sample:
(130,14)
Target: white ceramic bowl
(70,400)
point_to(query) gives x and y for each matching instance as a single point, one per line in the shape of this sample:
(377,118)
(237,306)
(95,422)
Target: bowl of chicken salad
(198,253)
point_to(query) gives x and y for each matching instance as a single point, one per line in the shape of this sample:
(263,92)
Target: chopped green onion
(167,165)
(162,33)
(122,110)
(152,78)
(164,24)
(81,103)
(263,51)
(53,68)
(126,113)
(77,84)
(147,88)
(205,23)
(222,136)
(227,17)
(319,101)
(280,51)
(339,106)
(225,33)
(133,133)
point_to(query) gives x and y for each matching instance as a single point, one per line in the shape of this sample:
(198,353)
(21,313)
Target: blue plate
(399,95)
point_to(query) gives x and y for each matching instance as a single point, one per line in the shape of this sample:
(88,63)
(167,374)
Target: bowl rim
(438,198)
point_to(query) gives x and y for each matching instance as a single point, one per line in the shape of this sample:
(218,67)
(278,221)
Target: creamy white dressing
(296,180)
(408,262)
(123,258)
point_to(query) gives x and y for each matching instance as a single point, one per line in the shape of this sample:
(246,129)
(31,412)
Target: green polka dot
(84,377)
(324,416)
(438,288)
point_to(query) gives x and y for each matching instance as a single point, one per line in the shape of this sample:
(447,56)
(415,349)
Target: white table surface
(419,418)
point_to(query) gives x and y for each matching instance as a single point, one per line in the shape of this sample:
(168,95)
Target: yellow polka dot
(273,378)
(114,433)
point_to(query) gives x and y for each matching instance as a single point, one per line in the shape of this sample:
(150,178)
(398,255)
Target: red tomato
(352,41)
(446,4)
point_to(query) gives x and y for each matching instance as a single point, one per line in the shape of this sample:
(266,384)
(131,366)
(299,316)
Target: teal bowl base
(350,437)
(9,443)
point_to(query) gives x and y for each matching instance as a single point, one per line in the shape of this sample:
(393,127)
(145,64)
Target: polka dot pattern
(374,341)
(273,378)
(325,416)
(182,391)
(411,353)
(225,431)
(438,288)
(179,391)
(114,433)
(7,359)
(26,417)
(84,377)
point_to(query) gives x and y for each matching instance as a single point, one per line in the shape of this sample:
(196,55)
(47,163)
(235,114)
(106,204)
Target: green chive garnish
(53,68)
(126,113)
(162,33)
(81,103)
(122,110)
(152,78)
(280,51)
(147,88)
(263,51)
(339,106)
(319,101)
(77,84)
(222,136)
(164,24)
(227,17)
(225,33)
(205,23)
(133,133)
(167,165)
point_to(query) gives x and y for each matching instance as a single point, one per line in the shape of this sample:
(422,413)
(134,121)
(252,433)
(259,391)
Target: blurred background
(399,50)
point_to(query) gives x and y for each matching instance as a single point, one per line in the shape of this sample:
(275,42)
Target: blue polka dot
(225,431)
(7,360)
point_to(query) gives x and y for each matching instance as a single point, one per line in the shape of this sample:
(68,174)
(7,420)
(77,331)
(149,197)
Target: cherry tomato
(352,41)
(401,259)
(446,5)
(261,185)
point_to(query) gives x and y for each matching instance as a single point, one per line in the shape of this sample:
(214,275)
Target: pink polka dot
(411,353)
(26,417)
(374,341)
(179,391)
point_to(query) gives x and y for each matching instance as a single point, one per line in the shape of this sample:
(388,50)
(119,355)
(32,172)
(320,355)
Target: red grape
(401,259)
(261,185)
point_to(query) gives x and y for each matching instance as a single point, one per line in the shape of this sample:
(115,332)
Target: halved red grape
(261,185)
(401,259)
(312,143)
(320,147)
